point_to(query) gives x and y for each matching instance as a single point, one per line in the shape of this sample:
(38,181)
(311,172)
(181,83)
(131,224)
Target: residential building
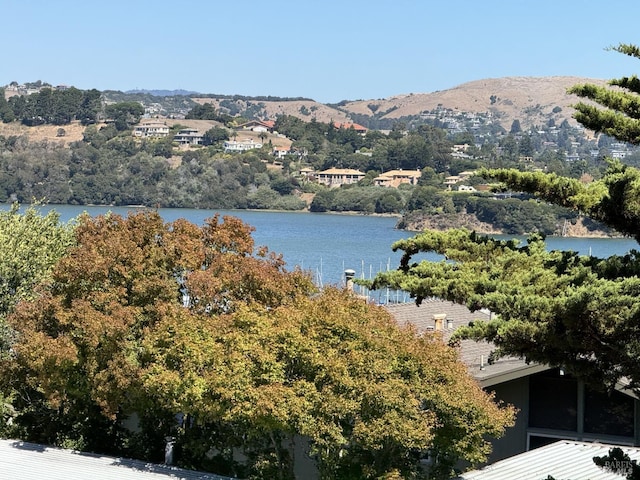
(336,177)
(153,129)
(188,136)
(281,152)
(347,125)
(258,126)
(234,146)
(307,173)
(552,405)
(452,180)
(395,178)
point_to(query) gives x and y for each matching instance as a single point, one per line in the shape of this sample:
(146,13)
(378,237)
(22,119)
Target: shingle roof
(565,459)
(474,354)
(30,461)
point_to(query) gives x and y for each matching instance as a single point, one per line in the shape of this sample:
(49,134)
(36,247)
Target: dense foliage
(557,308)
(112,167)
(58,107)
(30,244)
(158,320)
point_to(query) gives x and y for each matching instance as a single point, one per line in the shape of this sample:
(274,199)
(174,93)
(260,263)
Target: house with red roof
(258,126)
(347,125)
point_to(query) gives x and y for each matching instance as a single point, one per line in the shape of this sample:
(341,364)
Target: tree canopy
(172,319)
(30,244)
(554,307)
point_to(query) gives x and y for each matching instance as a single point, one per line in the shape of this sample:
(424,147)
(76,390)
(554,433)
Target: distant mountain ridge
(531,100)
(165,93)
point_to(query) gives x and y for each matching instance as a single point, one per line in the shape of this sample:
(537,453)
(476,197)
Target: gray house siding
(514,392)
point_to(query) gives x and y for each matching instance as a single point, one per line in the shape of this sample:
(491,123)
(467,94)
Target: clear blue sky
(327,50)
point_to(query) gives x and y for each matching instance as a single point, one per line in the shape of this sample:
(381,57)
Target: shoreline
(481,228)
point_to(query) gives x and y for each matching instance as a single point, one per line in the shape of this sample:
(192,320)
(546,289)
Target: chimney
(348,276)
(169,450)
(439,321)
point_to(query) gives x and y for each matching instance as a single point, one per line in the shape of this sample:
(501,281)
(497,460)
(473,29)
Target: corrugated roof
(562,460)
(30,461)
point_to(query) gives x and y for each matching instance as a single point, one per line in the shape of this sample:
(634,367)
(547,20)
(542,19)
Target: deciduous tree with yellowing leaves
(198,335)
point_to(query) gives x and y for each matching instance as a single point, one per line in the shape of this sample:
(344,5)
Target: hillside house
(460,151)
(336,177)
(307,173)
(233,146)
(395,178)
(347,125)
(551,404)
(188,136)
(452,180)
(280,152)
(153,129)
(258,126)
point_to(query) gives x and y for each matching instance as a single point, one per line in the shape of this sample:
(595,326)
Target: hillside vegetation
(76,147)
(529,99)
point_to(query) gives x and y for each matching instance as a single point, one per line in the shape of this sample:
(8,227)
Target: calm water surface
(327,244)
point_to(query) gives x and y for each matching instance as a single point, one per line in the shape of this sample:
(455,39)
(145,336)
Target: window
(608,413)
(556,402)
(553,401)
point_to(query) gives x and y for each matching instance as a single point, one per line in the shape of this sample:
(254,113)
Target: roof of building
(341,171)
(264,123)
(348,125)
(474,354)
(562,460)
(401,173)
(30,461)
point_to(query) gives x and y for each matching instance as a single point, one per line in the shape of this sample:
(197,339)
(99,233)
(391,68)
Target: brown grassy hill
(531,100)
(304,109)
(74,132)
(49,133)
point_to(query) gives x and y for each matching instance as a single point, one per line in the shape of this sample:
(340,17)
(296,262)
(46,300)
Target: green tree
(6,113)
(124,114)
(165,319)
(215,135)
(554,307)
(30,244)
(90,107)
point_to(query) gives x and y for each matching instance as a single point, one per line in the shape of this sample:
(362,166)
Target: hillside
(531,100)
(528,99)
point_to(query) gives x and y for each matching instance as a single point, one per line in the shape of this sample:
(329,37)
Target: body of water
(326,244)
